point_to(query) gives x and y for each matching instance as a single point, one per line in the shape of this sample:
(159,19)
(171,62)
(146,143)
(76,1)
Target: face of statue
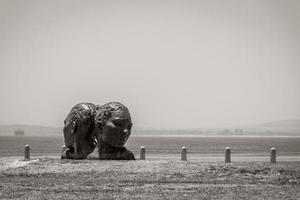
(117,128)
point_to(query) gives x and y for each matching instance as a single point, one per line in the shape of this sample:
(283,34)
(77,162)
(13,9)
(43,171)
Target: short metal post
(273,155)
(63,149)
(143,153)
(27,152)
(227,155)
(183,153)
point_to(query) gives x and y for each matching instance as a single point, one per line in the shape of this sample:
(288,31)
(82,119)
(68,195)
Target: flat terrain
(165,146)
(52,178)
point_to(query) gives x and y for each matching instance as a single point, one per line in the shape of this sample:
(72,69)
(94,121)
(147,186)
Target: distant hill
(295,123)
(30,130)
(283,126)
(277,128)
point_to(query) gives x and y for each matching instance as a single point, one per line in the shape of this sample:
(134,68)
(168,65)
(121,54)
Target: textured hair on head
(104,112)
(81,111)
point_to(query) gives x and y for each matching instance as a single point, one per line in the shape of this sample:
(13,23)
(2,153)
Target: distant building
(238,131)
(226,131)
(19,132)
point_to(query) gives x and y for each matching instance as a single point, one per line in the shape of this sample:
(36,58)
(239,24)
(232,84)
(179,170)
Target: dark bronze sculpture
(108,126)
(113,127)
(78,130)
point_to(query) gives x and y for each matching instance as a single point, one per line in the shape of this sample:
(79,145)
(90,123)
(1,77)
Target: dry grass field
(52,178)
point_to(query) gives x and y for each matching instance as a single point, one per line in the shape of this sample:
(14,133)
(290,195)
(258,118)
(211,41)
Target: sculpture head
(80,117)
(78,128)
(113,124)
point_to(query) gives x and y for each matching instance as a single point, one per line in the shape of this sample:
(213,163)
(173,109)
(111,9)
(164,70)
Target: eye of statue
(117,122)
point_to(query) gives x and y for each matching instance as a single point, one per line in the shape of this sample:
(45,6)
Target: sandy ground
(52,178)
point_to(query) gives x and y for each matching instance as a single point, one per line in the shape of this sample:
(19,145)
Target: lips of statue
(117,128)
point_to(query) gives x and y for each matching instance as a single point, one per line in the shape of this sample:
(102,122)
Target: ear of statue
(73,127)
(99,125)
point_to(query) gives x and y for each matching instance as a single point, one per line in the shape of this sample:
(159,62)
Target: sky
(174,64)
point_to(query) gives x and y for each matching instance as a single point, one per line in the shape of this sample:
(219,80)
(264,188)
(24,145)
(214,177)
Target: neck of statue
(106,148)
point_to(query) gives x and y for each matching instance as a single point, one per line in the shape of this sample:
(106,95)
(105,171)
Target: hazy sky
(174,64)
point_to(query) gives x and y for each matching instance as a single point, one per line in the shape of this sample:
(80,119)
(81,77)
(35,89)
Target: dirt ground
(52,178)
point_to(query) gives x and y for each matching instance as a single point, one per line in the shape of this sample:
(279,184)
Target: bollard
(183,153)
(143,153)
(273,155)
(27,152)
(63,149)
(227,155)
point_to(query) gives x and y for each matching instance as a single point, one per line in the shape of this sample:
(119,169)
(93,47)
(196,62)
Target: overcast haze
(174,64)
